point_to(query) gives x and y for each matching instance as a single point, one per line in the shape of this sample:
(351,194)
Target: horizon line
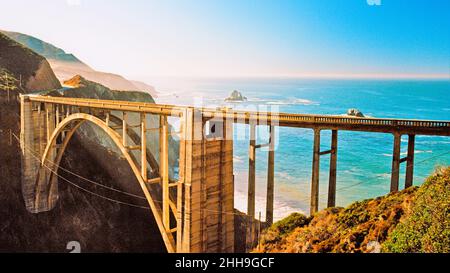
(368,76)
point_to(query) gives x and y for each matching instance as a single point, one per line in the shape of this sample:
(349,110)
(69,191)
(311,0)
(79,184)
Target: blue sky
(142,38)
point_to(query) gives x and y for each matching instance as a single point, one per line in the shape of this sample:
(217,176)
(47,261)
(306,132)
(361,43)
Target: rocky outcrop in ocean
(236,96)
(353,112)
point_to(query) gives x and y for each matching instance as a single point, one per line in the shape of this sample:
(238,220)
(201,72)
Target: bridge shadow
(103,225)
(98,225)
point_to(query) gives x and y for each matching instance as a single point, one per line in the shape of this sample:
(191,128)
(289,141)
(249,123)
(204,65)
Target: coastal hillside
(79,87)
(67,65)
(42,48)
(24,70)
(413,220)
(99,225)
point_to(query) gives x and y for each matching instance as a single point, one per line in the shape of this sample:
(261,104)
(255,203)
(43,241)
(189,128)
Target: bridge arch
(69,126)
(195,213)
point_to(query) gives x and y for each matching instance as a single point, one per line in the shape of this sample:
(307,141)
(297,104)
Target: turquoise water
(364,159)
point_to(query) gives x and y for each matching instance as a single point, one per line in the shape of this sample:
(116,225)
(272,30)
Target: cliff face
(67,65)
(31,71)
(42,79)
(413,220)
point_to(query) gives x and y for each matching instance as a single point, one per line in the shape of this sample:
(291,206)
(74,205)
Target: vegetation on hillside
(413,220)
(427,227)
(18,59)
(8,81)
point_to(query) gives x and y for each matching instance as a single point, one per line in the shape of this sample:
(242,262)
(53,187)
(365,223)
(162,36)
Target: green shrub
(427,229)
(291,222)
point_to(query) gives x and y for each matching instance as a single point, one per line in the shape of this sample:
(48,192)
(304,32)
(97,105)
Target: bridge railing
(287,118)
(244,116)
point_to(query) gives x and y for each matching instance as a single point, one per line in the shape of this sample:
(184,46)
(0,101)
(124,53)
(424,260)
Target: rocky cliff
(31,71)
(66,65)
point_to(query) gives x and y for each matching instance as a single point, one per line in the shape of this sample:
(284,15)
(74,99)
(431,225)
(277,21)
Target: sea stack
(353,112)
(236,96)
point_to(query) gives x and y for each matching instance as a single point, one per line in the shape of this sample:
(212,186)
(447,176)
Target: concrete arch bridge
(195,213)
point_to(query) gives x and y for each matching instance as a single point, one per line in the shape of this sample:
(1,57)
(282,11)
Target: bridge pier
(397,160)
(207,169)
(144,169)
(333,170)
(39,188)
(164,171)
(251,172)
(410,161)
(251,223)
(396,163)
(250,238)
(270,177)
(314,207)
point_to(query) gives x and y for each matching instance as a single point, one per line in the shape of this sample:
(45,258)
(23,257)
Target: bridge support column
(315,173)
(207,168)
(251,172)
(333,165)
(143,144)
(124,129)
(29,165)
(50,119)
(396,163)
(36,180)
(164,169)
(410,162)
(250,236)
(270,177)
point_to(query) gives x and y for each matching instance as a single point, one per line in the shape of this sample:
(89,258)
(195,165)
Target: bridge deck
(381,125)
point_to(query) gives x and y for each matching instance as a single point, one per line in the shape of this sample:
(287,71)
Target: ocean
(364,159)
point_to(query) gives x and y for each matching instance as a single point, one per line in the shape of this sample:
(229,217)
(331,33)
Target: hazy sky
(141,38)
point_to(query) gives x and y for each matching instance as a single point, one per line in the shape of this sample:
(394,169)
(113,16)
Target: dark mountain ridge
(66,65)
(29,71)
